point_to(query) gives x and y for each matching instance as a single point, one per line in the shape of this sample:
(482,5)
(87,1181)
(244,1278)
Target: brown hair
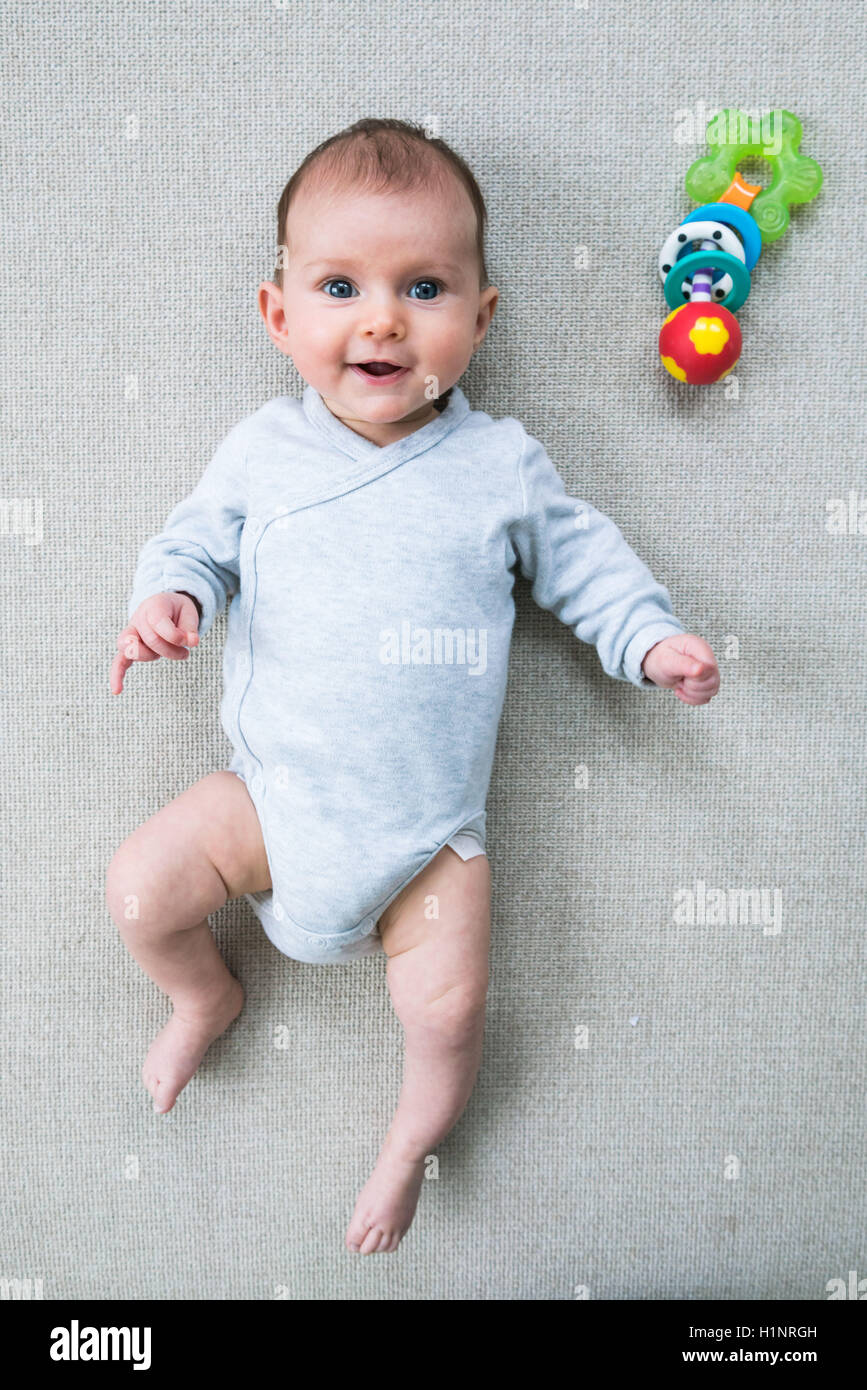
(378,154)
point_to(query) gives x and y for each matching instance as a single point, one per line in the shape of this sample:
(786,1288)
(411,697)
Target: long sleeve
(198,550)
(584,572)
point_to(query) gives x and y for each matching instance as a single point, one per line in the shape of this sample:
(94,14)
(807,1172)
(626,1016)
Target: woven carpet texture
(669,1106)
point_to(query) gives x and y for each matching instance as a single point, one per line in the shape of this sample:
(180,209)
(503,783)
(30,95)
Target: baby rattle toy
(699,344)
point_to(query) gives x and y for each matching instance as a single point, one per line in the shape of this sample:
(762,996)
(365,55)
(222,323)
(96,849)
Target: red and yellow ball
(699,343)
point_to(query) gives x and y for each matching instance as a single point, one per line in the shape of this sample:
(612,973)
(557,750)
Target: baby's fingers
(173,648)
(130,648)
(119,668)
(174,635)
(698,690)
(706,682)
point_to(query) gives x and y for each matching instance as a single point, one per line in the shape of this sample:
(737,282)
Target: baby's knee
(455,1015)
(144,894)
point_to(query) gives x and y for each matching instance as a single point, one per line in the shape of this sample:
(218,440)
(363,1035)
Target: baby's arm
(583,570)
(186,574)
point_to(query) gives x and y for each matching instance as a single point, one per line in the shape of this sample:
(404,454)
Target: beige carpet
(708,1139)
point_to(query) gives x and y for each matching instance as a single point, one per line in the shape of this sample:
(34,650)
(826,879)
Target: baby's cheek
(449,351)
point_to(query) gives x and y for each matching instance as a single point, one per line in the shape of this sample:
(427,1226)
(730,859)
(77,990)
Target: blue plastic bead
(746,227)
(709,260)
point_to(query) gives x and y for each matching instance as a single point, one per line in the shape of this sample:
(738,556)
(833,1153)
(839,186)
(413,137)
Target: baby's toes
(150,1080)
(372,1241)
(357,1231)
(160,1091)
(354,1237)
(389,1242)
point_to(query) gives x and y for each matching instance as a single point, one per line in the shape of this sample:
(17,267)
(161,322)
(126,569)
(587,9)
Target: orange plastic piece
(740,193)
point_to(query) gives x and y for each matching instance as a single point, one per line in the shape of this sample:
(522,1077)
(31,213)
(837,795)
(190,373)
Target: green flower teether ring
(714,260)
(797,178)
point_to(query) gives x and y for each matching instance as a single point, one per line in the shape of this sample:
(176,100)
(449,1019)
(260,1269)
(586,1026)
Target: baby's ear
(270,301)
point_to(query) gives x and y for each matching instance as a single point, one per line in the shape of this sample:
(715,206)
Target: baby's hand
(159,627)
(685,662)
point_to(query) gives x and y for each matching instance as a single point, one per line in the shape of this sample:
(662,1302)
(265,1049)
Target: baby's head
(380,258)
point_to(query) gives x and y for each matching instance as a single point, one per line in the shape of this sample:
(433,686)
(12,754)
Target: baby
(367,537)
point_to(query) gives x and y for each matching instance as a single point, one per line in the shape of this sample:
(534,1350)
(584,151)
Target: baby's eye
(341,295)
(427,285)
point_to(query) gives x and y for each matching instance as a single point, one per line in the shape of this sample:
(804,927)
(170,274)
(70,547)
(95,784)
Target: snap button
(258,784)
(369,924)
(312,941)
(254,523)
(278,910)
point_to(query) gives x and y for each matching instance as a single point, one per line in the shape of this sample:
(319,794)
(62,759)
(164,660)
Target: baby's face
(390,277)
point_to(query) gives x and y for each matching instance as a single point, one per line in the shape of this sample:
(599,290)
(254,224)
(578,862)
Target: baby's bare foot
(177,1051)
(386,1204)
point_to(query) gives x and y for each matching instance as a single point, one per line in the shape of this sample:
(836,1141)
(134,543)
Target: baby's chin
(380,403)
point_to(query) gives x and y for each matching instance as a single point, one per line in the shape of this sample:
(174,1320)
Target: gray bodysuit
(368,636)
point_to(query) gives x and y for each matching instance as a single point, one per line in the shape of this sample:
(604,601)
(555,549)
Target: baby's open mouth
(378,368)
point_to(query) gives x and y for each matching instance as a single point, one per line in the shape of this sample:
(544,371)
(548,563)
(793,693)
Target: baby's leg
(438,977)
(203,847)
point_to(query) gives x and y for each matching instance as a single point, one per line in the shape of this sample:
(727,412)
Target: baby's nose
(383,318)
